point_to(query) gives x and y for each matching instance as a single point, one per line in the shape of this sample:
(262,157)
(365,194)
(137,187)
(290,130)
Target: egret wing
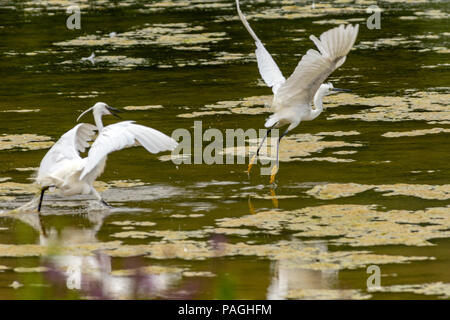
(315,66)
(122,135)
(268,68)
(67,148)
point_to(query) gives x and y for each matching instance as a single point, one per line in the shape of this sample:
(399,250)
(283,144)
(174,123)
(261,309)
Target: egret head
(101,109)
(328,88)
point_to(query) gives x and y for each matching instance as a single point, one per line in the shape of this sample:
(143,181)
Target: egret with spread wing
(293,98)
(63,168)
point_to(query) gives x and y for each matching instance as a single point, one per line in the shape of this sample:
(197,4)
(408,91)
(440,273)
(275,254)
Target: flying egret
(293,98)
(63,168)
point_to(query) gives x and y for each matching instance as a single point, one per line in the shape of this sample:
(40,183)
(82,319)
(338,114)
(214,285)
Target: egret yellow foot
(273,173)
(250,165)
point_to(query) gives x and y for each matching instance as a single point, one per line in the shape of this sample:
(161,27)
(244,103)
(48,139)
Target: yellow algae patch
(432,14)
(249,105)
(293,147)
(52,5)
(195,250)
(326,294)
(329,159)
(232,231)
(22,110)
(196,114)
(385,42)
(440,289)
(125,183)
(133,223)
(247,110)
(355,225)
(27,169)
(171,235)
(294,10)
(441,49)
(24,142)
(427,106)
(203,274)
(172,34)
(18,188)
(266,197)
(15,285)
(149,270)
(121,63)
(339,190)
(414,133)
(343,152)
(131,235)
(24,250)
(32,269)
(34,250)
(102,186)
(334,191)
(338,133)
(133,108)
(338,21)
(167,4)
(432,192)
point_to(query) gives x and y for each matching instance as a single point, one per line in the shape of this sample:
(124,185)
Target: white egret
(293,98)
(63,168)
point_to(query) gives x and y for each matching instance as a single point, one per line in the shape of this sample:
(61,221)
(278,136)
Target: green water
(404,64)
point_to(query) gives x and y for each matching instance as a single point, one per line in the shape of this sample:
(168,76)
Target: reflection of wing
(66,148)
(315,67)
(122,135)
(267,67)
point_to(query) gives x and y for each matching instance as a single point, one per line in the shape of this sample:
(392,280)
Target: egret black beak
(114,111)
(341,90)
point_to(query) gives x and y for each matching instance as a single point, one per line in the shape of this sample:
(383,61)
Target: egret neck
(98,118)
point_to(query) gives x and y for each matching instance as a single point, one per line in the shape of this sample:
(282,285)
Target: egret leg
(252,160)
(99,197)
(42,197)
(276,166)
(39,210)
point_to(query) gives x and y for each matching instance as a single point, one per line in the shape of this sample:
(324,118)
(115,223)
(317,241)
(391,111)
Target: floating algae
(439,289)
(173,34)
(149,107)
(8,188)
(30,269)
(249,105)
(22,110)
(293,147)
(326,294)
(425,106)
(340,190)
(354,225)
(133,223)
(24,142)
(415,133)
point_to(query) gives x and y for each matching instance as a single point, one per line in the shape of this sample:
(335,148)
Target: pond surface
(365,184)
